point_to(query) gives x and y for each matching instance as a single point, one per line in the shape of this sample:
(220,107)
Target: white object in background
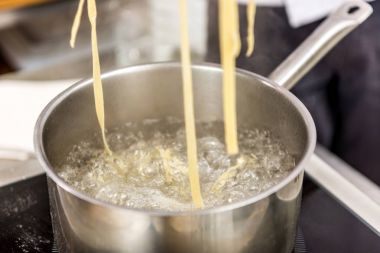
(303,12)
(8,18)
(133,44)
(21,102)
(165,28)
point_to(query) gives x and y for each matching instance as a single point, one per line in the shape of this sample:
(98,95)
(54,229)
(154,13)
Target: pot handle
(339,24)
(351,14)
(347,191)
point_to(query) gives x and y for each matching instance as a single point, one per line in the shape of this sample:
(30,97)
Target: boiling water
(148,168)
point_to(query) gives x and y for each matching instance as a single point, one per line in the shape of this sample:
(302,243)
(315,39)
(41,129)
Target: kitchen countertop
(78,68)
(74,69)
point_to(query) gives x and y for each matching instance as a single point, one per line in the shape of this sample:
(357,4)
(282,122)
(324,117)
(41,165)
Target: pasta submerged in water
(230,46)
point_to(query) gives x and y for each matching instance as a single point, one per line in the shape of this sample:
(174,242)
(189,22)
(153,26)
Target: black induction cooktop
(324,226)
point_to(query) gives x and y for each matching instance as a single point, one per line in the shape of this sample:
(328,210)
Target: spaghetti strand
(76,23)
(227,31)
(236,27)
(98,86)
(191,139)
(251,13)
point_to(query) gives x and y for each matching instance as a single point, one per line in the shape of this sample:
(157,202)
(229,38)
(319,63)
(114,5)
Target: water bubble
(149,166)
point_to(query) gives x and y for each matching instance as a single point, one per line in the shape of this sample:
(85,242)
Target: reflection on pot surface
(265,222)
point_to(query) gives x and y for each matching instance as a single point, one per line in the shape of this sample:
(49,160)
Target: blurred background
(342,94)
(130,32)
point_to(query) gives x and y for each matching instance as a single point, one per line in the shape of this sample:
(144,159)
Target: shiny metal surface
(346,192)
(264,223)
(353,175)
(347,17)
(346,186)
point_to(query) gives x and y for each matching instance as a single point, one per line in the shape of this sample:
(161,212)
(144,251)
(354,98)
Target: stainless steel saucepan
(264,223)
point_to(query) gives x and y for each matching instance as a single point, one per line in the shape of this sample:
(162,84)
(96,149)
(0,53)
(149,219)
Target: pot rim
(45,114)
